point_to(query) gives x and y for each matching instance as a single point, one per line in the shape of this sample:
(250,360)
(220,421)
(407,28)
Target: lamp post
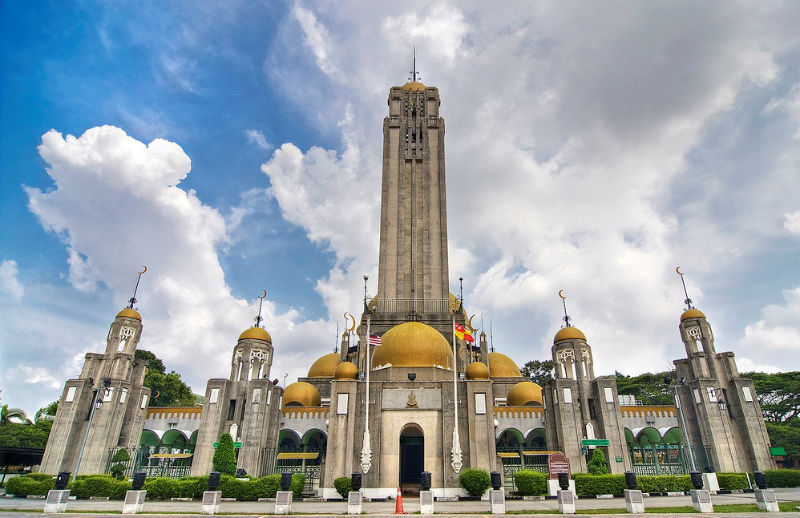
(96,403)
(683,425)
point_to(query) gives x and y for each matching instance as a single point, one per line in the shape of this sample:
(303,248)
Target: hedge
(664,483)
(732,481)
(343,486)
(27,485)
(163,488)
(783,478)
(99,485)
(530,482)
(475,481)
(591,485)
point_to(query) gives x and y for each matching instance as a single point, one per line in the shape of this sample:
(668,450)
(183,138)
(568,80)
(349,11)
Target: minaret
(725,426)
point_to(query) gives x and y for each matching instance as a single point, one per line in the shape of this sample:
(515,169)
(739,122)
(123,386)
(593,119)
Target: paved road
(19,507)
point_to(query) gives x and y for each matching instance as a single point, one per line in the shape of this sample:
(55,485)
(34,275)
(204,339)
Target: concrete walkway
(411,505)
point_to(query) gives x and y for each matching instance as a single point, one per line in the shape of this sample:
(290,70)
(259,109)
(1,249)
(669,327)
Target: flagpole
(366,451)
(455,452)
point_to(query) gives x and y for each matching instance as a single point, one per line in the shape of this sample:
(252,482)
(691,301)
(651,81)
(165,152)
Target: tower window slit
(232,410)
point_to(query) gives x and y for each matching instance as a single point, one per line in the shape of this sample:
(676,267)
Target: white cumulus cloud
(9,283)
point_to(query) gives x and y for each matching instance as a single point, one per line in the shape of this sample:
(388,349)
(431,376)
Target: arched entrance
(412,458)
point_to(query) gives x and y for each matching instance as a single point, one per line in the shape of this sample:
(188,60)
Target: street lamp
(683,423)
(96,404)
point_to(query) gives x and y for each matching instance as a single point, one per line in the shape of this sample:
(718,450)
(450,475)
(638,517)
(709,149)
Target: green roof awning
(777,451)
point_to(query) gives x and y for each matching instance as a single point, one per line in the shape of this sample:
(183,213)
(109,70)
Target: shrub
(475,481)
(343,486)
(161,488)
(598,464)
(26,485)
(99,485)
(39,477)
(229,486)
(225,456)
(529,482)
(731,481)
(783,478)
(268,486)
(592,485)
(120,458)
(664,483)
(298,483)
(191,487)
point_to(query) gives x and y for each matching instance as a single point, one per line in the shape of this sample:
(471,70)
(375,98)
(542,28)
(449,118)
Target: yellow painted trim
(291,455)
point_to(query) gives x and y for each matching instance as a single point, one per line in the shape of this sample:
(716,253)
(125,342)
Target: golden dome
(524,393)
(477,371)
(324,367)
(346,371)
(567,333)
(130,313)
(301,393)
(413,344)
(413,86)
(692,313)
(501,366)
(256,333)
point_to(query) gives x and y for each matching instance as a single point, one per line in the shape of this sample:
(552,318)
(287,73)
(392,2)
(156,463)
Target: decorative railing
(410,305)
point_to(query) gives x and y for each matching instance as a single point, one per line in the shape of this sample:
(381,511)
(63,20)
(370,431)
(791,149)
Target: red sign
(558,463)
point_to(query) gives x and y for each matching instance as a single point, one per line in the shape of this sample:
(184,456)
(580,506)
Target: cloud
(9,283)
(257,137)
(792,222)
(776,333)
(442,29)
(316,38)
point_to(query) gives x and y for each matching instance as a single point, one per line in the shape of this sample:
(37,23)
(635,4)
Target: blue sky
(236,147)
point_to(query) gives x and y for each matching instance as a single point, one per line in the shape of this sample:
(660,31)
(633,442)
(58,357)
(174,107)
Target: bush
(191,487)
(732,481)
(592,485)
(528,482)
(27,485)
(298,483)
(225,456)
(99,485)
(598,464)
(268,486)
(781,478)
(161,488)
(40,477)
(343,486)
(664,483)
(475,481)
(120,458)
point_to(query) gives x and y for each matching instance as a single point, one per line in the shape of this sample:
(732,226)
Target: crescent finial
(678,270)
(144,270)
(263,294)
(348,316)
(469,323)
(561,294)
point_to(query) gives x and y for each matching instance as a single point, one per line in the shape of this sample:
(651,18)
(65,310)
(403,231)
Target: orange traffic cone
(398,506)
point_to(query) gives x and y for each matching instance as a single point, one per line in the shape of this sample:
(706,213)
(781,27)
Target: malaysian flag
(374,339)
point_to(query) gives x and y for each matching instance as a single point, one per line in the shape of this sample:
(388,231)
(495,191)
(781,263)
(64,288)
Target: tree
(649,388)
(20,435)
(49,411)
(225,457)
(119,458)
(167,389)
(778,395)
(11,415)
(540,372)
(598,464)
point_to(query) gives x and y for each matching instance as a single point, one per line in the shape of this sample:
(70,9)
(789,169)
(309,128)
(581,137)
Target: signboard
(235,445)
(777,451)
(595,442)
(558,463)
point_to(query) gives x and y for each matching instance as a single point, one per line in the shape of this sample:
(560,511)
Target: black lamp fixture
(412,376)
(721,402)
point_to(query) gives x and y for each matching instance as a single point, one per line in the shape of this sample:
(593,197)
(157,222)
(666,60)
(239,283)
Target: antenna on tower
(336,338)
(461,293)
(414,73)
(491,337)
(688,301)
(564,303)
(132,300)
(260,302)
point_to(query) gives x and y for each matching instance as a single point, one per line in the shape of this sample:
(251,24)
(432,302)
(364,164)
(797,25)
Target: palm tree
(15,414)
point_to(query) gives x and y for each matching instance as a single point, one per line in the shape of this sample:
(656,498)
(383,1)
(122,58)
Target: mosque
(410,389)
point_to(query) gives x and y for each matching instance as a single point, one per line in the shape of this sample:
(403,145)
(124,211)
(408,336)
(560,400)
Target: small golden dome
(130,313)
(568,333)
(692,313)
(413,86)
(501,366)
(477,371)
(525,393)
(301,393)
(413,344)
(324,367)
(256,333)
(346,371)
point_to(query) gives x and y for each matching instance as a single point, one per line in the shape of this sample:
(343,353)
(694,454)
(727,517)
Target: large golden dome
(501,366)
(692,313)
(301,393)
(568,333)
(413,344)
(324,367)
(256,333)
(413,86)
(130,313)
(346,371)
(477,371)
(525,393)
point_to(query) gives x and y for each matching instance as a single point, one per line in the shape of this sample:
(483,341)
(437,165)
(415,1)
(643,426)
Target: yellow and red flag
(463,333)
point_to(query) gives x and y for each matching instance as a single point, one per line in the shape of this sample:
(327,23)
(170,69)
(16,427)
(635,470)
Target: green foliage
(161,488)
(778,395)
(649,388)
(121,455)
(298,483)
(27,485)
(39,477)
(530,482)
(786,435)
(475,481)
(598,464)
(783,478)
(49,410)
(13,415)
(167,389)
(100,485)
(225,456)
(731,481)
(591,485)
(664,483)
(343,485)
(539,372)
(20,435)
